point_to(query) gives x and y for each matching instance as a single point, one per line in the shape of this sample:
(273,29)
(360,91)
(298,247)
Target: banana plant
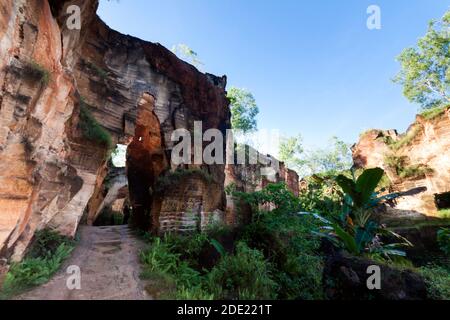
(357,232)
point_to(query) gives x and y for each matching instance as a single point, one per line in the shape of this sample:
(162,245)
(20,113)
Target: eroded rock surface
(255,173)
(418,158)
(138,91)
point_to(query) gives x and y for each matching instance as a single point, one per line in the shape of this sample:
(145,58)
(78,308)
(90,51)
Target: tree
(243,110)
(424,74)
(331,160)
(291,151)
(184,52)
(335,158)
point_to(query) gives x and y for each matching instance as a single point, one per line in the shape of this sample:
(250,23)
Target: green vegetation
(399,164)
(91,129)
(322,195)
(438,281)
(443,238)
(357,232)
(444,213)
(172,178)
(430,114)
(244,275)
(275,256)
(38,72)
(276,194)
(243,110)
(333,159)
(44,258)
(102,73)
(290,152)
(425,76)
(406,139)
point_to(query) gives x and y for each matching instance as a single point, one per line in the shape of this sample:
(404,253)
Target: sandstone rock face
(419,158)
(249,177)
(138,91)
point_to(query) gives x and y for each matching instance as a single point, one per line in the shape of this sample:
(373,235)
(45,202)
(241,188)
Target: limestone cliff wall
(139,91)
(418,158)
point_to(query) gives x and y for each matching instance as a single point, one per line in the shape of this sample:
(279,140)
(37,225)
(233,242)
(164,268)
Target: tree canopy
(243,110)
(424,74)
(333,159)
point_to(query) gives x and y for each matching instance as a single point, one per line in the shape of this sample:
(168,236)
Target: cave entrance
(113,205)
(145,161)
(442,200)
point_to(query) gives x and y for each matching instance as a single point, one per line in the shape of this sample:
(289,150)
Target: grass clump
(405,171)
(91,129)
(406,139)
(430,114)
(44,258)
(38,72)
(102,73)
(416,171)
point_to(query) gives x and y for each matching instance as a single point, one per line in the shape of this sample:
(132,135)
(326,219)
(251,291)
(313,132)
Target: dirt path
(109,265)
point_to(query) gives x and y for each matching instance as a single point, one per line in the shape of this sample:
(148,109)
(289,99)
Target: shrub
(404,171)
(430,114)
(300,277)
(277,194)
(437,279)
(159,258)
(173,274)
(91,129)
(188,247)
(443,238)
(321,196)
(245,275)
(47,253)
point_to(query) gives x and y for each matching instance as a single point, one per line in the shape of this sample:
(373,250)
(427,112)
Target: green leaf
(347,239)
(367,183)
(365,235)
(218,246)
(349,187)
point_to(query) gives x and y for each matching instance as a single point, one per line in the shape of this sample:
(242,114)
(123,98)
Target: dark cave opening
(442,200)
(145,162)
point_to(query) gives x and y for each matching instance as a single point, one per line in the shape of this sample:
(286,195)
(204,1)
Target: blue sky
(312,65)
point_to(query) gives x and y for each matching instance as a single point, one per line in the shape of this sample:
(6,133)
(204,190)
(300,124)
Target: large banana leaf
(349,188)
(367,182)
(347,239)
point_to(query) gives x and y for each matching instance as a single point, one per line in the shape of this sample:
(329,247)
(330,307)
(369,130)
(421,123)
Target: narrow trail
(109,265)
